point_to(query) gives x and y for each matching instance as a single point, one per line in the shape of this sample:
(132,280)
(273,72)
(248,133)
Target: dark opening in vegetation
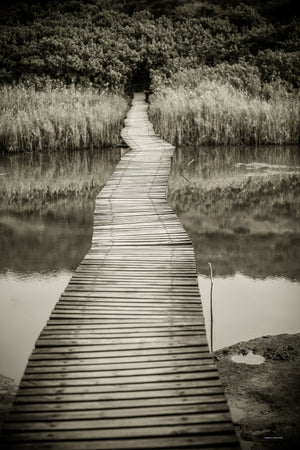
(140,80)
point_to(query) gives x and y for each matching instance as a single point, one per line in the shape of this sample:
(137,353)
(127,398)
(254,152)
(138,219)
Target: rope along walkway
(123,361)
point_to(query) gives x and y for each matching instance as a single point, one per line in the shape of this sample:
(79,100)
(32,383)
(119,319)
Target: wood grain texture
(123,361)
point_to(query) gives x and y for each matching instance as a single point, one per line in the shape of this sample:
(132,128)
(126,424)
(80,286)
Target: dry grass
(216,113)
(59,118)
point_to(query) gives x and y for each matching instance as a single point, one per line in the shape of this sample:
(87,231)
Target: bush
(279,64)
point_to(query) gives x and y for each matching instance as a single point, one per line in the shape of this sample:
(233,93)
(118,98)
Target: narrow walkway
(123,362)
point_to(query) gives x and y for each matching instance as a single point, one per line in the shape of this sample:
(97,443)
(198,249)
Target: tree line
(106,43)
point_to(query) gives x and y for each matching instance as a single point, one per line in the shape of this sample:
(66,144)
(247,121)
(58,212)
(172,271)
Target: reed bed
(59,119)
(216,113)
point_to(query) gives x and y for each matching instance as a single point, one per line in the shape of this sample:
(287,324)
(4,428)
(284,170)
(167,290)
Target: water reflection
(211,163)
(43,244)
(45,182)
(240,223)
(38,254)
(241,209)
(245,308)
(256,255)
(248,230)
(47,204)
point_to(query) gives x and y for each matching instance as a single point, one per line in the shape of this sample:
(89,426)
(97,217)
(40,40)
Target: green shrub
(279,64)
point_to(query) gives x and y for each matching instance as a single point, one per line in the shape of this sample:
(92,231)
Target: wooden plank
(137,361)
(113,404)
(120,423)
(119,373)
(119,388)
(129,432)
(118,366)
(115,346)
(128,318)
(130,395)
(125,328)
(119,353)
(158,378)
(95,334)
(150,411)
(217,442)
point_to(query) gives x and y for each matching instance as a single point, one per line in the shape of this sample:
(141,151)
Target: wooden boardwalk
(123,361)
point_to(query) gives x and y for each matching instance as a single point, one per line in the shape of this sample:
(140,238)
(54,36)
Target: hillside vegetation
(108,42)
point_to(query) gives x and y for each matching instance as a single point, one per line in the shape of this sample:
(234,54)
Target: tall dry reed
(59,118)
(217,113)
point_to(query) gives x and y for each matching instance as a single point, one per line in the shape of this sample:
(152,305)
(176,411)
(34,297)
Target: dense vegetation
(227,72)
(110,43)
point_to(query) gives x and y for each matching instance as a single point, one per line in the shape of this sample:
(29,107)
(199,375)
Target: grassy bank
(215,111)
(59,119)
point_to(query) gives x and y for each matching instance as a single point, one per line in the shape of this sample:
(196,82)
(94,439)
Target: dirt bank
(8,389)
(264,399)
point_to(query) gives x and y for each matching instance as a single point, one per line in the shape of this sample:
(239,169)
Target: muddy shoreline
(263,399)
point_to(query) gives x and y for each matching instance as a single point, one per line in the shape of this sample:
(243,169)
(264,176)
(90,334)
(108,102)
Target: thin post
(211,307)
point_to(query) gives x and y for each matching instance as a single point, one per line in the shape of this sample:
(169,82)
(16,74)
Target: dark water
(253,249)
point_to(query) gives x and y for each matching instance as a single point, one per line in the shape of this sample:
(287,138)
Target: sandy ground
(264,399)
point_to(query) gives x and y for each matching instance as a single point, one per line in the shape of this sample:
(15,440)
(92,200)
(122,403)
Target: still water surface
(254,251)
(241,209)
